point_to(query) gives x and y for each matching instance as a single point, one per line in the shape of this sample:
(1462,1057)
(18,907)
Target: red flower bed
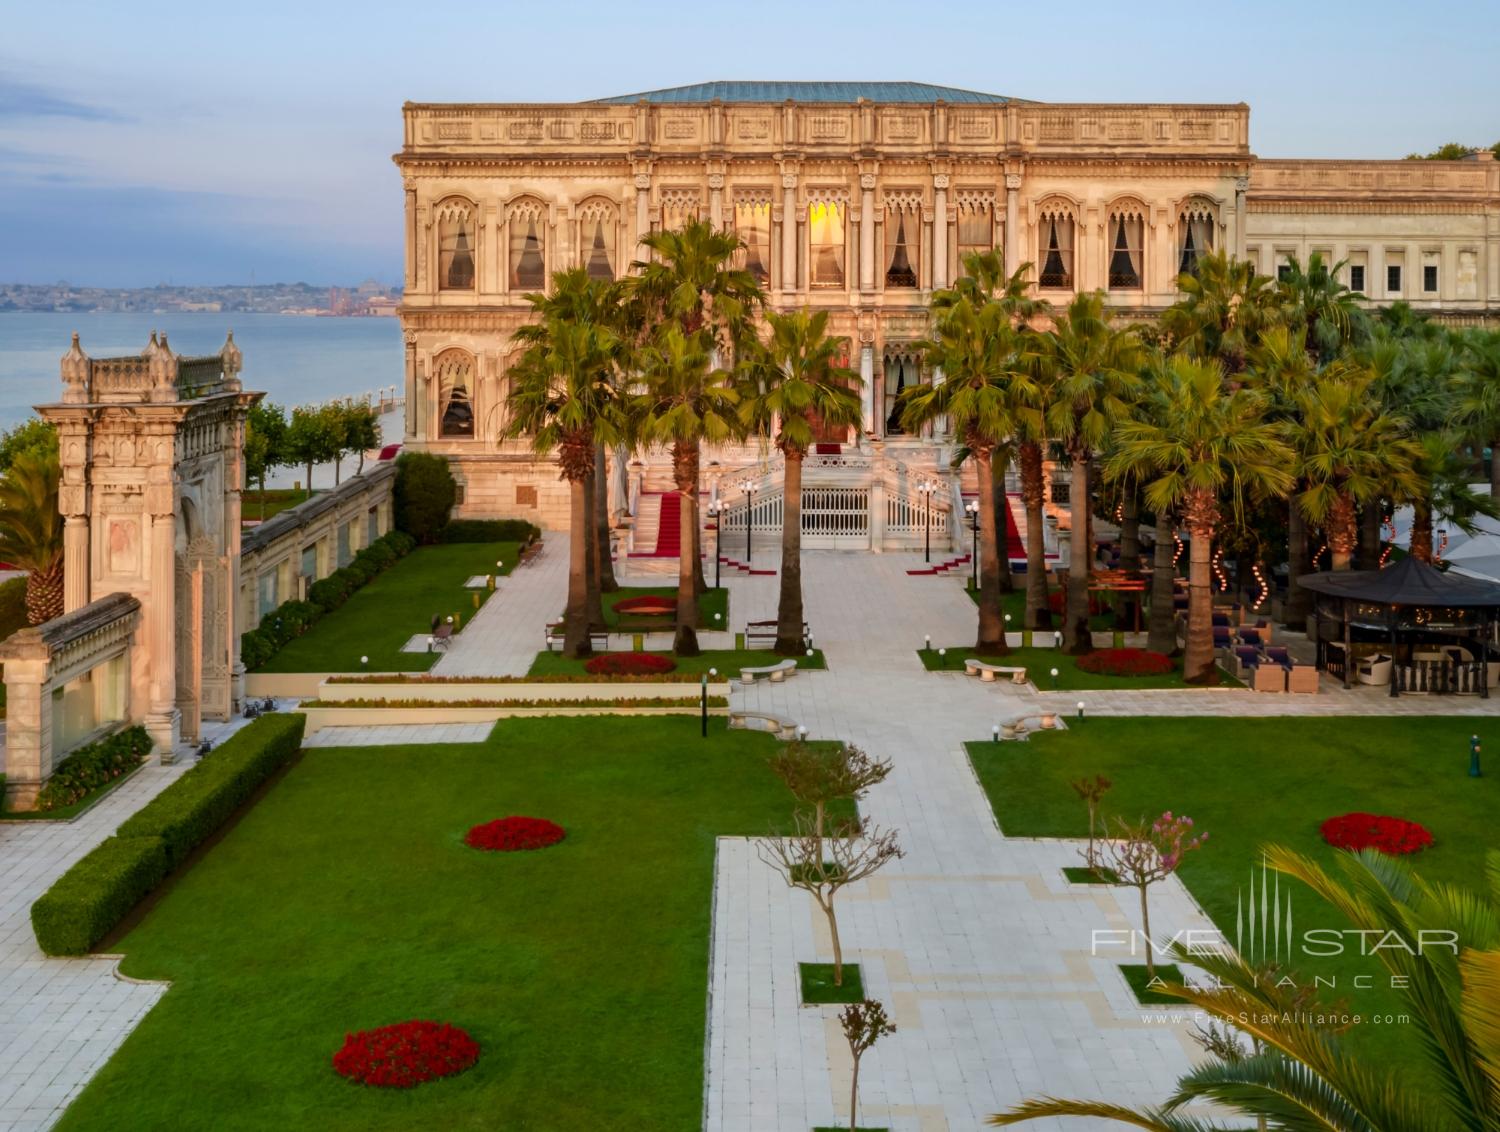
(629,664)
(405,1055)
(508,834)
(1126,662)
(1395,836)
(649,606)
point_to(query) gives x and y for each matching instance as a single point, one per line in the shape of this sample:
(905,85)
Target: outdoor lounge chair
(1269,677)
(1222,637)
(1375,670)
(1247,659)
(1252,637)
(1302,678)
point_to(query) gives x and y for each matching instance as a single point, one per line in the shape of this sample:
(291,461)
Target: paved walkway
(392,735)
(506,634)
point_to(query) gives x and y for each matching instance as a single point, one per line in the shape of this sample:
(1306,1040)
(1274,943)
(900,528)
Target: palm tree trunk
(44,593)
(685,473)
(594,601)
(1298,598)
(604,564)
(1076,636)
(1342,531)
(1038,613)
(991,640)
(1002,505)
(575,618)
(1369,535)
(1421,532)
(1198,661)
(1163,625)
(789,616)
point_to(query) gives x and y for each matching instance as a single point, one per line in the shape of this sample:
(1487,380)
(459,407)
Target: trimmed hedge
(93,766)
(424,494)
(187,813)
(87,901)
(490,530)
(293,618)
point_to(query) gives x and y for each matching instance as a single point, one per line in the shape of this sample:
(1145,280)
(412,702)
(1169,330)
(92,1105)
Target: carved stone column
(867,233)
(716,201)
(409,428)
(1241,189)
(1012,222)
(410,185)
(939,231)
(163,722)
(789,232)
(642,213)
(869,393)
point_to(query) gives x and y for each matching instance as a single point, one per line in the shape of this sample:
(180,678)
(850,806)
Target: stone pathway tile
(504,637)
(391,735)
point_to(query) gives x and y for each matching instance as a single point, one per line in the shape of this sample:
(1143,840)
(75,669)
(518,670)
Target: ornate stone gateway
(152,449)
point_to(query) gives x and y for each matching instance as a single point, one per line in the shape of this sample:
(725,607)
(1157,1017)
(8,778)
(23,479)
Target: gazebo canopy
(1408,582)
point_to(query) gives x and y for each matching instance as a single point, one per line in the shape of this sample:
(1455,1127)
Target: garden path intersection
(974,941)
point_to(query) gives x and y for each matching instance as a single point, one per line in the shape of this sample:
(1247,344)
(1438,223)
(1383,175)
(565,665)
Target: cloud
(20,100)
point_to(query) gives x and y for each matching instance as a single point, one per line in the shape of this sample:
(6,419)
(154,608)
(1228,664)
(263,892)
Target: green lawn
(382,616)
(1251,782)
(727,661)
(711,603)
(277,500)
(1039,664)
(346,899)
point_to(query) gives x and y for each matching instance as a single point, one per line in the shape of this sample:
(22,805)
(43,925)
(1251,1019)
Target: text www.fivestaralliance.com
(1184,1018)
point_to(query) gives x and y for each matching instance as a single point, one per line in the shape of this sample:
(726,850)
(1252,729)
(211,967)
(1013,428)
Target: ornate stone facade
(861,199)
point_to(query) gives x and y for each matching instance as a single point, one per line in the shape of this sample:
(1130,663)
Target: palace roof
(759,91)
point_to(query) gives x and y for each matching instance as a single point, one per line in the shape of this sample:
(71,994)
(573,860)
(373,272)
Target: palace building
(862,199)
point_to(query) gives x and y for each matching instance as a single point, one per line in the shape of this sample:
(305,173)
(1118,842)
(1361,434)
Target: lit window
(455,248)
(1195,226)
(752,224)
(454,372)
(903,231)
(825,234)
(1127,236)
(1056,244)
(528,271)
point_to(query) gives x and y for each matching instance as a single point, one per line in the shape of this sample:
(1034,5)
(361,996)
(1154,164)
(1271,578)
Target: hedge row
(92,766)
(293,618)
(490,530)
(87,901)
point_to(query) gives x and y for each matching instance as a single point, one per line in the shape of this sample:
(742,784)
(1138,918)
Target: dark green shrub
(379,553)
(361,570)
(93,766)
(86,902)
(296,618)
(328,593)
(489,530)
(402,543)
(424,494)
(197,804)
(255,649)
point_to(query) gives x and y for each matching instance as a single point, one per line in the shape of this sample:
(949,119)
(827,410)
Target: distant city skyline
(164,142)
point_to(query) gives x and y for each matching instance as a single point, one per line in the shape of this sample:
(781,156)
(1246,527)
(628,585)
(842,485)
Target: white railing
(764,515)
(907,516)
(838,513)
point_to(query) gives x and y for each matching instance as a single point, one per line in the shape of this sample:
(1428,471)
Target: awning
(1408,582)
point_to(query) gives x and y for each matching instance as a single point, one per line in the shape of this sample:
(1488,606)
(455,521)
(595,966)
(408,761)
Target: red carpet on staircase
(1015,546)
(669,534)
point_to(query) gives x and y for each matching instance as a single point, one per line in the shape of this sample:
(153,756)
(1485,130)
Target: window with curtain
(752,224)
(976,233)
(1126,238)
(902,371)
(903,241)
(528,269)
(455,249)
(1195,228)
(825,239)
(596,241)
(454,373)
(1055,242)
(677,211)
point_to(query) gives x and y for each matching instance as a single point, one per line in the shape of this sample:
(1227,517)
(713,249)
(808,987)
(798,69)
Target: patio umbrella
(1479,557)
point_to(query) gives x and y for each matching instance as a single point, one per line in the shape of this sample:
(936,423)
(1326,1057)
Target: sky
(146,142)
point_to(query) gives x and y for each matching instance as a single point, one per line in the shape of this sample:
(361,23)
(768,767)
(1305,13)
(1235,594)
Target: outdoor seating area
(762,634)
(1268,668)
(988,672)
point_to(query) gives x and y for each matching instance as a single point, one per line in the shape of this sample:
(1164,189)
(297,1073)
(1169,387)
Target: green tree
(987,387)
(265,445)
(1194,443)
(1479,398)
(31,530)
(361,429)
(1314,301)
(1450,151)
(31,435)
(1092,379)
(797,381)
(312,437)
(687,401)
(1225,306)
(423,495)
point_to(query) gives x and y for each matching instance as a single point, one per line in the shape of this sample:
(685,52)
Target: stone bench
(988,672)
(1016,728)
(760,721)
(778,672)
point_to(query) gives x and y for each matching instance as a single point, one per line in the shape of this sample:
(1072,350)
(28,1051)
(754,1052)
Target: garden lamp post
(747,485)
(1474,771)
(925,488)
(1054,679)
(1080,711)
(716,509)
(703,703)
(972,507)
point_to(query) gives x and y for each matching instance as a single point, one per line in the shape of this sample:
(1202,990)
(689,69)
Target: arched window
(1055,247)
(1195,235)
(903,369)
(825,242)
(455,246)
(752,224)
(679,208)
(528,245)
(1127,238)
(975,230)
(597,230)
(453,370)
(903,240)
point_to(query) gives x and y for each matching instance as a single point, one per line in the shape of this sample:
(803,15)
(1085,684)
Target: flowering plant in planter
(514,833)
(1126,662)
(406,1054)
(649,605)
(1356,831)
(629,664)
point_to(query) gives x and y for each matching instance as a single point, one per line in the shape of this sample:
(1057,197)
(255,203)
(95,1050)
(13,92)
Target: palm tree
(1092,370)
(1350,451)
(1443,472)
(797,382)
(1480,411)
(690,280)
(686,401)
(986,388)
(566,397)
(1195,443)
(31,530)
(1316,302)
(1224,308)
(1299,1074)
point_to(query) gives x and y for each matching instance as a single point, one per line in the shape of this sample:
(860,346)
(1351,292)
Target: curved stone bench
(988,672)
(1016,728)
(761,721)
(778,672)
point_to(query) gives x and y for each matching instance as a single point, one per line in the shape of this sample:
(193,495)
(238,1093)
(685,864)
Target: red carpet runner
(669,534)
